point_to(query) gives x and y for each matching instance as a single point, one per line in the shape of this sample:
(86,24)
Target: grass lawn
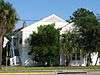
(48,69)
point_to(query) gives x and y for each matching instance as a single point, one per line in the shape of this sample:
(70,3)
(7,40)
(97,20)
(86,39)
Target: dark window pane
(16,52)
(78,56)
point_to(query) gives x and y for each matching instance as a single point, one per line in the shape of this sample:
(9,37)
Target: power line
(27,20)
(24,22)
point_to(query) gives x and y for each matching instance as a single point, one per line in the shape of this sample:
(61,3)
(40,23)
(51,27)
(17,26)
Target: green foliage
(45,45)
(70,44)
(89,28)
(8,17)
(71,40)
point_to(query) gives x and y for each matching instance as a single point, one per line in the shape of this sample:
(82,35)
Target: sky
(38,9)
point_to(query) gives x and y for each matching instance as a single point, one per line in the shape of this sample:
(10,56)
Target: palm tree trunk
(1,47)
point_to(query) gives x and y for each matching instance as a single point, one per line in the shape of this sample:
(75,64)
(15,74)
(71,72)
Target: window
(16,52)
(76,56)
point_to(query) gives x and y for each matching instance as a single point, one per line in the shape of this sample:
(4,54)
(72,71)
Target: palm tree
(8,18)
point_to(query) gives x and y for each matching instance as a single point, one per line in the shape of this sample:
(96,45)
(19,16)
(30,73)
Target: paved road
(91,73)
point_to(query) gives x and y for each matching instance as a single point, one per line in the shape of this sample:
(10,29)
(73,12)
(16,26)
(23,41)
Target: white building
(20,36)
(5,42)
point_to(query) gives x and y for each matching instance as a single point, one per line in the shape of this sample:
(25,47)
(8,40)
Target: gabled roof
(52,18)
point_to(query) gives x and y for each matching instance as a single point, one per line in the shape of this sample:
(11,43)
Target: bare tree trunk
(89,61)
(67,60)
(97,60)
(1,47)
